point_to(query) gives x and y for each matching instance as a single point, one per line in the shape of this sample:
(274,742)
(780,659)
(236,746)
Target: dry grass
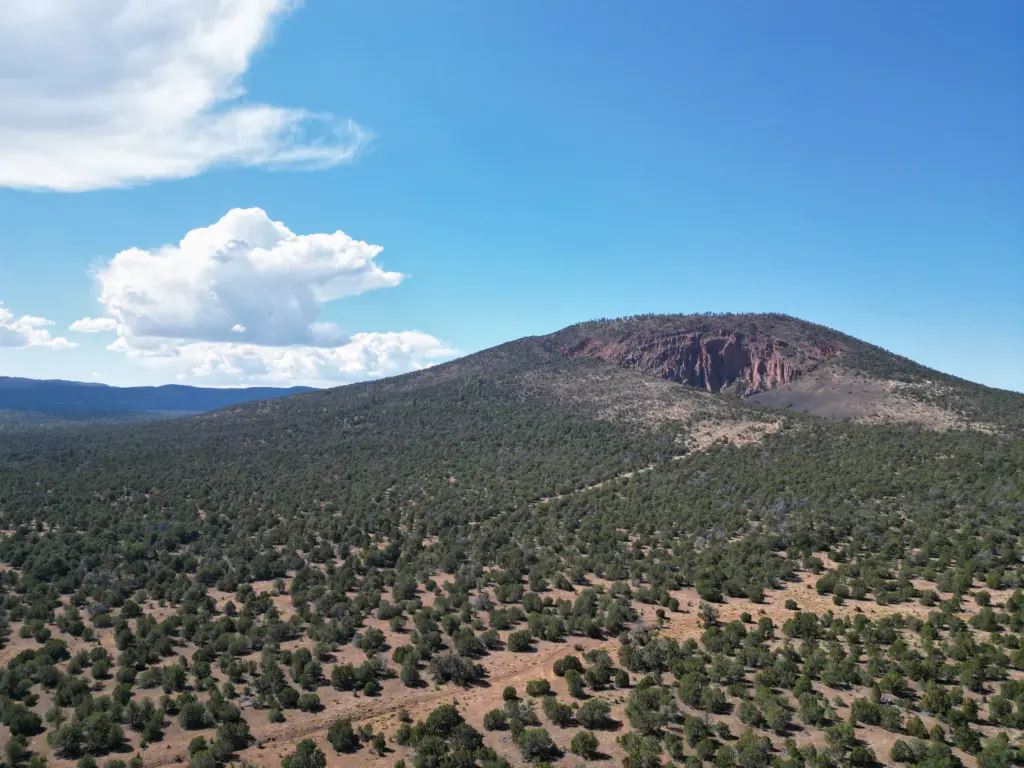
(273,740)
(705,434)
(617,394)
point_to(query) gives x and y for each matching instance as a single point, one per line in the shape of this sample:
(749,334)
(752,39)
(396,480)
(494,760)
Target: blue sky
(535,164)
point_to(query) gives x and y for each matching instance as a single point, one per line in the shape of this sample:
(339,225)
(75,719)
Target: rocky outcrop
(713,359)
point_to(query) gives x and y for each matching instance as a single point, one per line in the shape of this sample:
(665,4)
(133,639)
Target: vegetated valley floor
(518,559)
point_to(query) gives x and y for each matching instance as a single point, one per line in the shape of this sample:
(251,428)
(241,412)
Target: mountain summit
(778,360)
(665,369)
(746,354)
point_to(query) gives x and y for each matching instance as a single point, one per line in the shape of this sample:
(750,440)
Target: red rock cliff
(711,359)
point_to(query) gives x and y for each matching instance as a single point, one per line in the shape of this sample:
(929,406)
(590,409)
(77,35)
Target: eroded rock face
(712,359)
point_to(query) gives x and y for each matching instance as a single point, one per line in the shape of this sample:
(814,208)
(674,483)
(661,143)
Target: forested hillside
(588,548)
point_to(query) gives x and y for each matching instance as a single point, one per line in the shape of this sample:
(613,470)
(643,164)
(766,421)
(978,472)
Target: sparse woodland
(463,568)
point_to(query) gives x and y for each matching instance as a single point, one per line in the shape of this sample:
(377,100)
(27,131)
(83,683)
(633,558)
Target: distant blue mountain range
(55,396)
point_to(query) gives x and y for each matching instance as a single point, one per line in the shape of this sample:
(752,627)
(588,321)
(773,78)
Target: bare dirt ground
(834,393)
(705,434)
(617,394)
(381,712)
(507,668)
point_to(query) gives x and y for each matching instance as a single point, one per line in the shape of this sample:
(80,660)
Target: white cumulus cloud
(242,300)
(107,93)
(365,355)
(28,331)
(94,324)
(244,276)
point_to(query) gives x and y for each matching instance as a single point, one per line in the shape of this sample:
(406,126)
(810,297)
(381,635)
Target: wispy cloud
(107,93)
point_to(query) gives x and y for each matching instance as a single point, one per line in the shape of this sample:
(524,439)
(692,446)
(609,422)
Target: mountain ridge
(60,395)
(770,359)
(781,360)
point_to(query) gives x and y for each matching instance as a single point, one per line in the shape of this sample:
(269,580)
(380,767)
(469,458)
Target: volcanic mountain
(524,420)
(608,487)
(779,360)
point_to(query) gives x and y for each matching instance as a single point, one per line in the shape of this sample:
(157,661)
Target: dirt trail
(600,483)
(704,436)
(504,668)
